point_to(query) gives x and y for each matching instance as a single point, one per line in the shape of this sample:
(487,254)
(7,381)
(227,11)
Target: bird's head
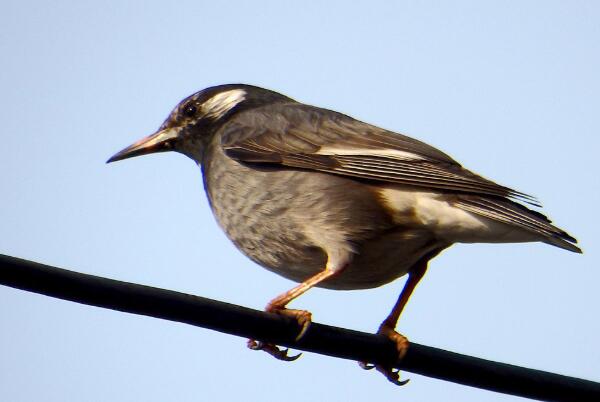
(192,123)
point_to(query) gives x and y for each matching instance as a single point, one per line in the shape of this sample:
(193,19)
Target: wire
(323,339)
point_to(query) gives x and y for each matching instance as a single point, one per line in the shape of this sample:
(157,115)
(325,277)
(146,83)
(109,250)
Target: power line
(323,339)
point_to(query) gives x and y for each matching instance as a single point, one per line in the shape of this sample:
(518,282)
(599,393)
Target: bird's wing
(305,137)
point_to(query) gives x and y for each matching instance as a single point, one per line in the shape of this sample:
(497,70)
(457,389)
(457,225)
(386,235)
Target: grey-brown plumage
(290,221)
(326,200)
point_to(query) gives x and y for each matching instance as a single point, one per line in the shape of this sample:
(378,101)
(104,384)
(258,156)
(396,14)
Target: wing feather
(304,137)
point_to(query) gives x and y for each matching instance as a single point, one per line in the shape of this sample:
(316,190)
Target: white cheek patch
(220,104)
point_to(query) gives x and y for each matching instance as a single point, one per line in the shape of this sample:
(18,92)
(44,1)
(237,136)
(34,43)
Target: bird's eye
(190,110)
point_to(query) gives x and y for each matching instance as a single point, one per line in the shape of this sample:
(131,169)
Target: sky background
(509,89)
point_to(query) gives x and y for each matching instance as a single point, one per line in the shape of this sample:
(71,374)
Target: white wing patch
(390,153)
(221,103)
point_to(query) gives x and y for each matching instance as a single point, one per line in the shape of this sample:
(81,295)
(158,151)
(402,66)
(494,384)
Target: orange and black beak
(161,141)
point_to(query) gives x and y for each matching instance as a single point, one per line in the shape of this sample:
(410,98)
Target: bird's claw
(393,375)
(401,342)
(273,350)
(302,317)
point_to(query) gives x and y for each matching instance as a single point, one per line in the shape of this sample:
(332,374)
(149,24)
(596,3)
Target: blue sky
(510,89)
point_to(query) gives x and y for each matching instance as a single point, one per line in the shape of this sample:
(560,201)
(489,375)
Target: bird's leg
(388,326)
(278,306)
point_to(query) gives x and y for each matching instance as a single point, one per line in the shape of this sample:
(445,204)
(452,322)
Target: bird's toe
(402,343)
(303,317)
(273,350)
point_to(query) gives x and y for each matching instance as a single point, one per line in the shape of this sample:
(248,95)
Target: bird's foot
(273,350)
(303,318)
(392,374)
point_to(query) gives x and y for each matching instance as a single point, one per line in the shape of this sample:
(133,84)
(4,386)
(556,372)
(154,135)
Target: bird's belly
(373,263)
(383,259)
(279,234)
(296,223)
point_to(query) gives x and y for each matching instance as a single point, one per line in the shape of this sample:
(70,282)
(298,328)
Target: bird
(329,201)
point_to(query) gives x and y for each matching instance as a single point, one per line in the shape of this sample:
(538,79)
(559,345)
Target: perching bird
(329,201)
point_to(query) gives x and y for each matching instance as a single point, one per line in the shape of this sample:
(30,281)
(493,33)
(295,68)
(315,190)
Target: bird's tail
(512,213)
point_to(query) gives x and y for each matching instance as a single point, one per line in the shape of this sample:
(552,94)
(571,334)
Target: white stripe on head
(223,102)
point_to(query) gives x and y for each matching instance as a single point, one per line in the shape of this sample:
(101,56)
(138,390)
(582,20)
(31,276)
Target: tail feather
(512,213)
(562,243)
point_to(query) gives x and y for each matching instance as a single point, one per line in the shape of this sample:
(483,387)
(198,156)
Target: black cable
(323,339)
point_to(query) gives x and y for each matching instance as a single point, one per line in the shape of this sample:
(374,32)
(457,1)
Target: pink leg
(278,306)
(388,326)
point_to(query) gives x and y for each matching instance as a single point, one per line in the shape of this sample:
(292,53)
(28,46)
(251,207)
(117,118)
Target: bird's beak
(161,141)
